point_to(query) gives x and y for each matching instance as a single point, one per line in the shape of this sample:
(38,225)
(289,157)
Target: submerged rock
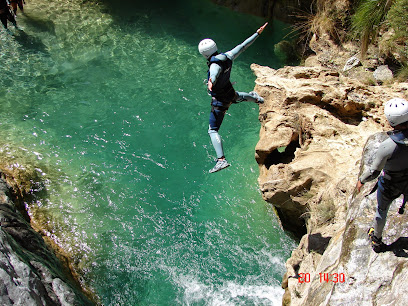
(30,273)
(286,52)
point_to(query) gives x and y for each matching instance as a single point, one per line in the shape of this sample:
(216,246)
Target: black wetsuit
(6,14)
(392,158)
(223,93)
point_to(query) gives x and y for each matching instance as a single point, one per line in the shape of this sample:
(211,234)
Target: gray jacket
(392,157)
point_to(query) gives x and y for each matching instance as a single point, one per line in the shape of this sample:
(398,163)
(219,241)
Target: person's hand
(209,85)
(359,185)
(260,30)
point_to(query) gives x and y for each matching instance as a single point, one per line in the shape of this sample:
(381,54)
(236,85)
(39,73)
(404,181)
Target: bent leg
(381,218)
(20,5)
(252,96)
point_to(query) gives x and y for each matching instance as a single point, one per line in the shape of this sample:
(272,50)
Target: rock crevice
(314,125)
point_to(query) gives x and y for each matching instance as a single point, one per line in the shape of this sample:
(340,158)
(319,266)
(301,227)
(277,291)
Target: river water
(106,99)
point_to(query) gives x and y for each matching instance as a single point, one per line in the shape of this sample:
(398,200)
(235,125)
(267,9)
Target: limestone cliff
(348,272)
(314,124)
(30,272)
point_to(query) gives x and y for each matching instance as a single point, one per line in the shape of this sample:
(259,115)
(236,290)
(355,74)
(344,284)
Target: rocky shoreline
(31,273)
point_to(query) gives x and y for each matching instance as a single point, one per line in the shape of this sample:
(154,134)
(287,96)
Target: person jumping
(221,90)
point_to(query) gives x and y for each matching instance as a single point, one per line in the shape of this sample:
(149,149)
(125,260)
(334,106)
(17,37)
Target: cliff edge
(315,123)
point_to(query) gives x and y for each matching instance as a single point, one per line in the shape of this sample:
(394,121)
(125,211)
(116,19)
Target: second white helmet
(396,111)
(207,47)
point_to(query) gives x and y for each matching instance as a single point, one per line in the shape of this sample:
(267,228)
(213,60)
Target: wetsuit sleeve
(215,71)
(383,153)
(234,53)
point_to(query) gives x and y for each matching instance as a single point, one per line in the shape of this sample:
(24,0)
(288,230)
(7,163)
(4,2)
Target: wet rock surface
(30,273)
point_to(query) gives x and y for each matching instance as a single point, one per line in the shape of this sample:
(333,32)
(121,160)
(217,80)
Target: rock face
(314,124)
(349,272)
(30,273)
(310,140)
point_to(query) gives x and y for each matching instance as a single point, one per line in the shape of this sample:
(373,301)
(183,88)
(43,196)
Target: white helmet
(396,111)
(207,47)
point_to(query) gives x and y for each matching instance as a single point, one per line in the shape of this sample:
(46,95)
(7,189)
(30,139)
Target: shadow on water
(30,42)
(129,7)
(40,25)
(146,14)
(191,21)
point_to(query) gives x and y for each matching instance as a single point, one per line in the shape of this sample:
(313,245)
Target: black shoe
(376,243)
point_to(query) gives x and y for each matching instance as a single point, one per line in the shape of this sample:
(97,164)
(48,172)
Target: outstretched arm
(234,53)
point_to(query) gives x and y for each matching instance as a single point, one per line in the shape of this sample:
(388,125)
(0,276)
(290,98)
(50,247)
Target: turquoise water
(107,101)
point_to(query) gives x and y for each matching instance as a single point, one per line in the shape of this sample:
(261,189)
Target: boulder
(315,115)
(30,273)
(383,74)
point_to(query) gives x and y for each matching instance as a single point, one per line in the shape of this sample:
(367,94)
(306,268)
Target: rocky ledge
(30,272)
(314,125)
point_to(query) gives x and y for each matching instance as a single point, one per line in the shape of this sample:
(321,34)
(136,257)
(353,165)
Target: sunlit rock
(314,125)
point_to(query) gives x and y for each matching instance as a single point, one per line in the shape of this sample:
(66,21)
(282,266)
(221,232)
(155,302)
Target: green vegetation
(383,23)
(397,22)
(398,18)
(367,20)
(380,23)
(403,72)
(319,21)
(325,211)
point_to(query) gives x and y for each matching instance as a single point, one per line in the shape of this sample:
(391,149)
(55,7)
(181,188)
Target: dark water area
(107,100)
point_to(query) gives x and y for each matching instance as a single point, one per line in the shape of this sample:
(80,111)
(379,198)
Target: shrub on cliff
(326,17)
(383,23)
(367,20)
(397,20)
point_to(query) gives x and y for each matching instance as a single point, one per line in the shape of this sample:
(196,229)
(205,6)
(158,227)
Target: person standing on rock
(6,14)
(15,3)
(221,90)
(392,158)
